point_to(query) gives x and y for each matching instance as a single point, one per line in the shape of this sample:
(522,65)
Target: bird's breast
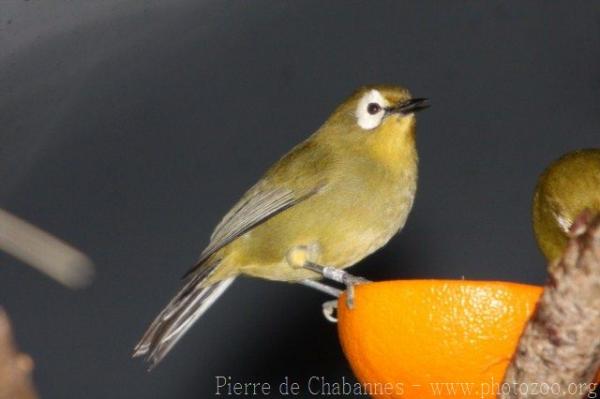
(366,212)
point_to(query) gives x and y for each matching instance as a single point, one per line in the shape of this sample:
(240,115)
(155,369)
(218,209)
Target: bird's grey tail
(178,316)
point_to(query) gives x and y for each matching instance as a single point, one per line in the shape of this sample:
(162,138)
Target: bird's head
(569,186)
(381,118)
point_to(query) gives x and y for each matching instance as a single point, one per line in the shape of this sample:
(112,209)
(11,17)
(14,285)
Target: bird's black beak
(409,106)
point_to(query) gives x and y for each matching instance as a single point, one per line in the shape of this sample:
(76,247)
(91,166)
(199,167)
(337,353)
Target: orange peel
(434,338)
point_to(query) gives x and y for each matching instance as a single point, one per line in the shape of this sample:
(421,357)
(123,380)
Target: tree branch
(15,367)
(560,346)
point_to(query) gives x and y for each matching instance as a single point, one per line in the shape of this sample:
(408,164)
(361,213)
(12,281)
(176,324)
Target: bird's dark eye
(373,108)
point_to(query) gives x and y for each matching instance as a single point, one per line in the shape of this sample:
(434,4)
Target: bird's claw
(330,307)
(329,310)
(350,281)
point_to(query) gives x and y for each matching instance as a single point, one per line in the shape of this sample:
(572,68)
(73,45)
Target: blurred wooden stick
(15,367)
(45,252)
(560,346)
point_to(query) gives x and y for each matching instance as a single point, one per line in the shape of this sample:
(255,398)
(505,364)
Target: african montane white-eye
(567,187)
(331,201)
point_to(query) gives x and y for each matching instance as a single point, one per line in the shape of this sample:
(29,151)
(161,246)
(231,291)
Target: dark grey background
(129,127)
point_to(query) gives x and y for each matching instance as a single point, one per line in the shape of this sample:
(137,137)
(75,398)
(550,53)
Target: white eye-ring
(370,110)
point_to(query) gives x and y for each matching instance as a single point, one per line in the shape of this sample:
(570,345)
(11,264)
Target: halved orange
(434,338)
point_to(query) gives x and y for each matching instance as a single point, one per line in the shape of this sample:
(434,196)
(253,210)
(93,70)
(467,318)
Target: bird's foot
(329,307)
(339,276)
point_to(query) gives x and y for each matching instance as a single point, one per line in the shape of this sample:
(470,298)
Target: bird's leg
(300,257)
(340,276)
(319,286)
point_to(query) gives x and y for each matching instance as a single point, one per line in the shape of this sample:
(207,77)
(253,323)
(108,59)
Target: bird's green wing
(257,206)
(295,178)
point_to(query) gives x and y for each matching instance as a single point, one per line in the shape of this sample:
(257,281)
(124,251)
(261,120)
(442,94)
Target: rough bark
(559,351)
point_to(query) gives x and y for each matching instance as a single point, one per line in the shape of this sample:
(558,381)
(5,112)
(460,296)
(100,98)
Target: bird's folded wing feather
(299,175)
(259,204)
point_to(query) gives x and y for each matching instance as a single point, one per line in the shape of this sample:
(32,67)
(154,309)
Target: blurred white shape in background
(44,252)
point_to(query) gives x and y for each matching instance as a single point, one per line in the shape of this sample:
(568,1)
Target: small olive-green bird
(332,200)
(567,187)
